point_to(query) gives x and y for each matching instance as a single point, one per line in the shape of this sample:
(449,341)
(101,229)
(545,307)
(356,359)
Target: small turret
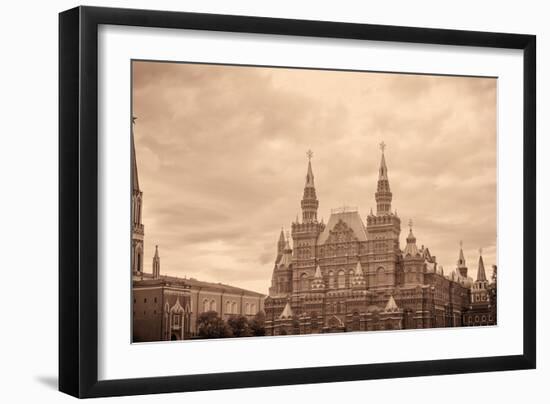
(318,283)
(391,306)
(481,277)
(156,263)
(309,203)
(280,246)
(461,263)
(411,250)
(358,280)
(383,193)
(287,312)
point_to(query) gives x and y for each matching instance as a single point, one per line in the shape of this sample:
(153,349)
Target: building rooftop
(350,218)
(195,283)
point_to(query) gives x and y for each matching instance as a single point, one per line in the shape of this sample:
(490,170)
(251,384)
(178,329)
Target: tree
(210,325)
(257,325)
(239,326)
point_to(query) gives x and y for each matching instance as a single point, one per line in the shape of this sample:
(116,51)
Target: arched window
(331,284)
(234,308)
(247,309)
(205,305)
(138,262)
(380,279)
(304,282)
(212,305)
(341,279)
(228,307)
(253,309)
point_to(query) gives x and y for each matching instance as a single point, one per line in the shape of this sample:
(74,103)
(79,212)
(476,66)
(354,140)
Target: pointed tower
(383,232)
(383,194)
(391,306)
(479,292)
(318,284)
(156,263)
(481,277)
(137,225)
(461,263)
(309,203)
(411,250)
(281,280)
(287,312)
(280,246)
(358,281)
(413,261)
(304,237)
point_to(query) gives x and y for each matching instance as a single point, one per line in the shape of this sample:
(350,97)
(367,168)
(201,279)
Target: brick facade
(350,275)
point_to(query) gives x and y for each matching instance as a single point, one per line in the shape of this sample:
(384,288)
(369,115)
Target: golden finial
(382,146)
(309,154)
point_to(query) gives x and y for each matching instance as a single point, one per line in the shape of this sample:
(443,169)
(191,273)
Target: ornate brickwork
(351,276)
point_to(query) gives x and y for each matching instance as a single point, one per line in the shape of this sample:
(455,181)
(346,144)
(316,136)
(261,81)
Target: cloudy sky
(221,154)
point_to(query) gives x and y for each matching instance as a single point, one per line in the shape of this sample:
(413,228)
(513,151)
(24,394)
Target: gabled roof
(351,219)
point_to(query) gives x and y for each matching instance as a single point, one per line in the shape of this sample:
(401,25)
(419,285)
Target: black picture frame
(78,196)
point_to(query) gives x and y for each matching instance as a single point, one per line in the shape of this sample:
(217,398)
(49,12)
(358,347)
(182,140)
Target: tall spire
(383,194)
(461,263)
(281,242)
(287,243)
(135,180)
(137,202)
(481,269)
(156,263)
(309,199)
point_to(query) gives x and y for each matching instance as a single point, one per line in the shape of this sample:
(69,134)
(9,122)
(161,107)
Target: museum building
(348,275)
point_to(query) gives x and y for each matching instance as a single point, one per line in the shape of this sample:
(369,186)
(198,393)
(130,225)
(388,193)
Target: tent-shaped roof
(351,219)
(287,312)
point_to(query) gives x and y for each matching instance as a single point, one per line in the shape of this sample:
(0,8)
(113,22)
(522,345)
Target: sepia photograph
(280,201)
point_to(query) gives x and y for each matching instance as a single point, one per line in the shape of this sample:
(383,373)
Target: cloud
(221,155)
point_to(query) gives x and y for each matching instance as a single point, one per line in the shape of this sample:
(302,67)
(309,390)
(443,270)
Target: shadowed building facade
(350,275)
